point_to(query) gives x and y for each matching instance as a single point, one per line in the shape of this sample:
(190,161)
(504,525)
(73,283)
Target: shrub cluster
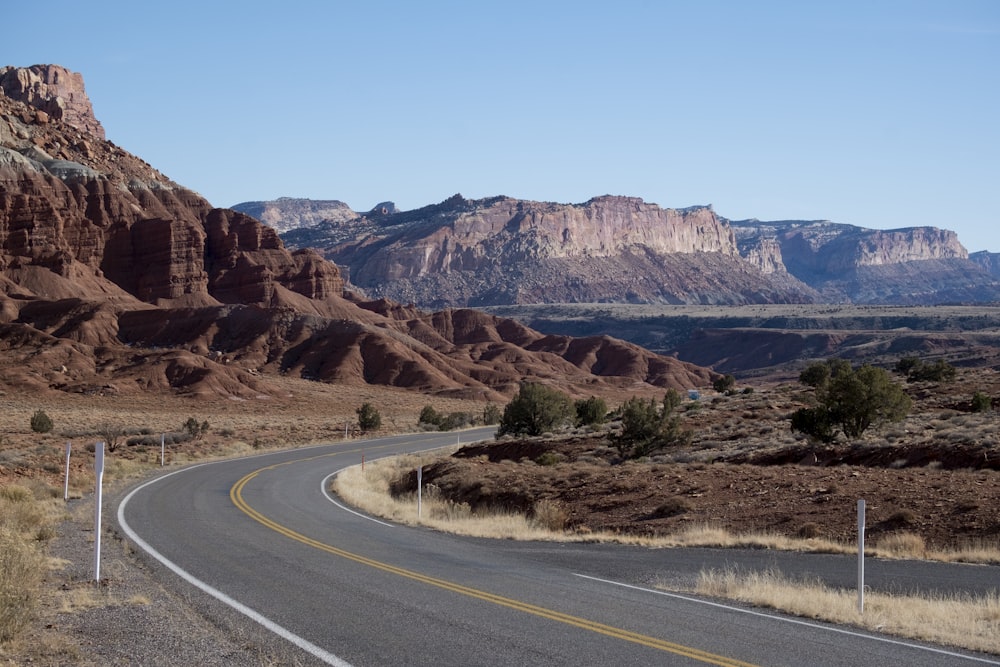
(848,399)
(433,420)
(916,370)
(41,422)
(535,410)
(591,411)
(648,425)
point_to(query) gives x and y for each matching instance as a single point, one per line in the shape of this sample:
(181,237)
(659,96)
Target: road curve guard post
(69,447)
(861,556)
(98,483)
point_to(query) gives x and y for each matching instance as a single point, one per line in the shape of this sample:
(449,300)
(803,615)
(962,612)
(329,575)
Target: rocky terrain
(623,250)
(777,339)
(115,279)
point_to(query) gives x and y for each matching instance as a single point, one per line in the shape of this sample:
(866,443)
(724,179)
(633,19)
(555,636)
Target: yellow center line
(236,495)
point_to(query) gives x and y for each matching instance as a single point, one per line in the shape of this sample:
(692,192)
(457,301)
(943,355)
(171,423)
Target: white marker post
(98,483)
(420,486)
(69,446)
(163,457)
(861,556)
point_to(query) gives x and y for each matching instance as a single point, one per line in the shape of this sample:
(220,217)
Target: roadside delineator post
(163,457)
(69,446)
(98,483)
(861,556)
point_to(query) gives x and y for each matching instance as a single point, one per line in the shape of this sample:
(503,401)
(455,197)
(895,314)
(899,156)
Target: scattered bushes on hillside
(195,429)
(648,426)
(369,418)
(431,419)
(849,399)
(916,370)
(591,411)
(535,410)
(41,422)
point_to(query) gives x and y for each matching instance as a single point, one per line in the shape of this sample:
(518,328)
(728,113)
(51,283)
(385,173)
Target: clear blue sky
(879,114)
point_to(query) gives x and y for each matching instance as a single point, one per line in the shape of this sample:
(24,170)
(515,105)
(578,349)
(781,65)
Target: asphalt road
(261,536)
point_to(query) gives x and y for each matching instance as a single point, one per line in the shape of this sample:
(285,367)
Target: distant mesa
(502,251)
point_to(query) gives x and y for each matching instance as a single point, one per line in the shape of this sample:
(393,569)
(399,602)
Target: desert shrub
(850,399)
(535,410)
(981,402)
(674,506)
(492,414)
(429,417)
(590,411)
(113,435)
(648,426)
(456,420)
(723,383)
(195,429)
(809,530)
(916,370)
(41,422)
(548,458)
(369,418)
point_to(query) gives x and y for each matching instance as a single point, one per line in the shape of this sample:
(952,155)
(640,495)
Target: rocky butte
(115,279)
(501,251)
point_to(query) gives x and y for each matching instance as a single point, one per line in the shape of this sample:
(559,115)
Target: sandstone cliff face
(72,202)
(55,91)
(286,213)
(502,250)
(914,265)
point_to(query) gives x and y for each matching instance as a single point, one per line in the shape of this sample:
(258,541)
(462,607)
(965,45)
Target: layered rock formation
(502,250)
(844,263)
(113,278)
(287,213)
(55,91)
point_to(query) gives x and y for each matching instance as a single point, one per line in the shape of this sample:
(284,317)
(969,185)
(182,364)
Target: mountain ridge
(503,251)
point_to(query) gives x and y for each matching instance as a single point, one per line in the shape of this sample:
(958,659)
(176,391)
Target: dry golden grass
(962,621)
(22,565)
(369,490)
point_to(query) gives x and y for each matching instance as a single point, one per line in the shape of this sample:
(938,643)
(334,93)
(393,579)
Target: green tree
(430,417)
(648,426)
(981,402)
(535,410)
(492,414)
(41,422)
(723,383)
(590,411)
(369,418)
(850,399)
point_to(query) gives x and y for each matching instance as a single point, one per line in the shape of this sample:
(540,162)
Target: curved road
(260,535)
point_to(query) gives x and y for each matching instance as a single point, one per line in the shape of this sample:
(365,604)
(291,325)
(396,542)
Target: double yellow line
(236,494)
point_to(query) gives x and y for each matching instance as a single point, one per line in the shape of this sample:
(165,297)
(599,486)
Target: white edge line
(794,621)
(322,488)
(303,644)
